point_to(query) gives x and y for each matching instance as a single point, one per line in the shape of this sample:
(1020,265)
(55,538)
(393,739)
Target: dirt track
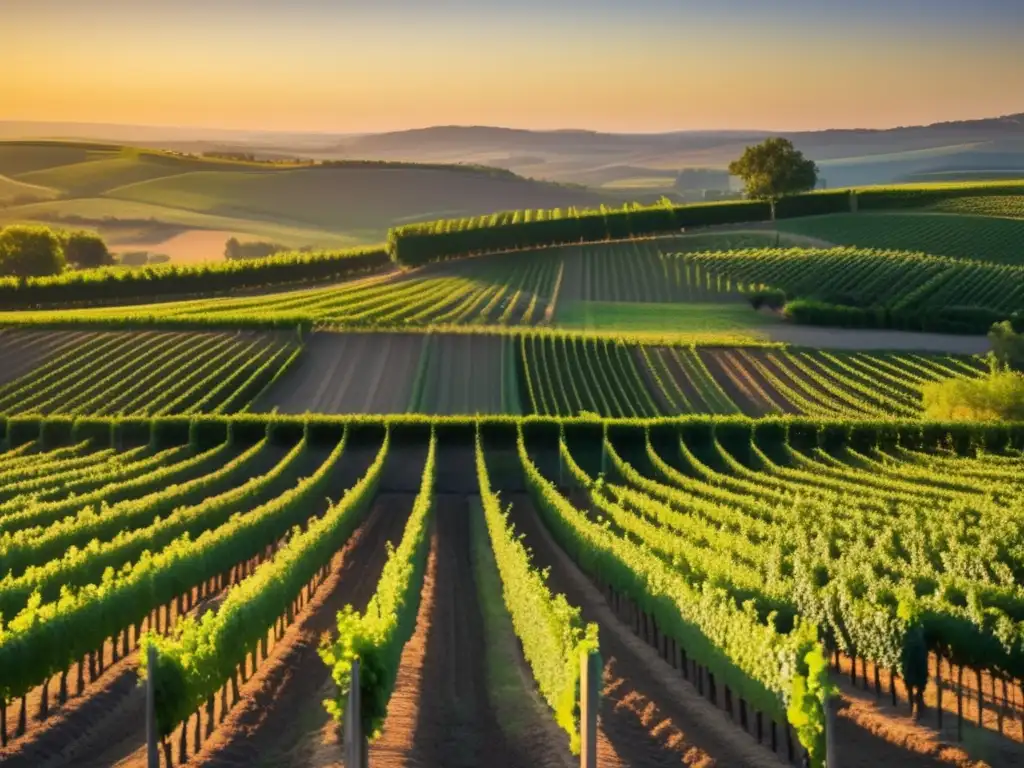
(442,694)
(350,373)
(649,716)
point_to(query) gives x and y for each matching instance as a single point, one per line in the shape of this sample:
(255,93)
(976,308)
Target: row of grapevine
(829,534)
(552,634)
(45,638)
(199,657)
(377,636)
(990,239)
(77,550)
(860,287)
(778,671)
(566,375)
(151,373)
(111,284)
(642,271)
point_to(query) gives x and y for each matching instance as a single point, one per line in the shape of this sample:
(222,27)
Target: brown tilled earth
(350,373)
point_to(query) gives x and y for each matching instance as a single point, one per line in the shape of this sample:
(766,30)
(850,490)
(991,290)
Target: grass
(977,238)
(105,172)
(101,214)
(655,182)
(665,318)
(12,191)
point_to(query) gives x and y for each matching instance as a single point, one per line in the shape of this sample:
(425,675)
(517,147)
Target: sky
(624,66)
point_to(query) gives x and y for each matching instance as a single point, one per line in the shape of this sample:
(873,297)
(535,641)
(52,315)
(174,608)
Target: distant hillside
(140,199)
(641,163)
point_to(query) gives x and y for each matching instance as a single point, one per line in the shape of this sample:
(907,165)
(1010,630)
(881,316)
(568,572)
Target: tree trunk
(62,694)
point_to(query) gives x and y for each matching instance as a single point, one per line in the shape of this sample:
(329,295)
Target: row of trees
(36,251)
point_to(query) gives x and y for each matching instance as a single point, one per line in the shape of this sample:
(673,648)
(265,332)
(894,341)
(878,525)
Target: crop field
(1006,206)
(974,238)
(877,278)
(503,492)
(640,272)
(467,374)
(142,373)
(350,373)
(569,376)
(269,534)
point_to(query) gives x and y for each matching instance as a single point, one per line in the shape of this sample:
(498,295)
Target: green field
(1008,206)
(978,238)
(629,317)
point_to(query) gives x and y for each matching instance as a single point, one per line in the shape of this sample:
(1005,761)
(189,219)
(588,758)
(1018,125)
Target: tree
(773,169)
(1007,345)
(234,250)
(30,251)
(86,250)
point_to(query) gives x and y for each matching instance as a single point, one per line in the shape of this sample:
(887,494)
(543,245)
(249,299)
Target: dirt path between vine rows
(440,713)
(280,720)
(649,715)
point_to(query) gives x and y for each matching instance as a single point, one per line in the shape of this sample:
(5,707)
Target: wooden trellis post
(152,754)
(830,730)
(355,739)
(590,682)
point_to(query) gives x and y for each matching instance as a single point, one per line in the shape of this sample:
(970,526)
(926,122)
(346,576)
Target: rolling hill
(141,199)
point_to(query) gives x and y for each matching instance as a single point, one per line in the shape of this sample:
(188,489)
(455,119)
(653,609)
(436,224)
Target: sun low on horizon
(642,66)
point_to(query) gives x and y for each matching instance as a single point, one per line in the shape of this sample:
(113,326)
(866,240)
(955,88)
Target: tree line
(37,251)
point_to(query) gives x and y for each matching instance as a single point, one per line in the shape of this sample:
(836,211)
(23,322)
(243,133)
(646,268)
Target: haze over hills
(160,200)
(848,156)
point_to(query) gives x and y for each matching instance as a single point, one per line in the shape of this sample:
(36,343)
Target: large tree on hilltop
(773,169)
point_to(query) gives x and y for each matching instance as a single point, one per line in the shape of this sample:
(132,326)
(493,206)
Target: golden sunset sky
(633,65)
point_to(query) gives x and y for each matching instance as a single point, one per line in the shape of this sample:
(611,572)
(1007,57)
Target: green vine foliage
(553,635)
(377,636)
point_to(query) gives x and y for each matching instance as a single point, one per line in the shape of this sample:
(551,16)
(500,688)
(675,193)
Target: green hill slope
(362,199)
(14,192)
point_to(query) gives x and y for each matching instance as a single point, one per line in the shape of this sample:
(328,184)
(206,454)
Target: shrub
(999,396)
(1007,345)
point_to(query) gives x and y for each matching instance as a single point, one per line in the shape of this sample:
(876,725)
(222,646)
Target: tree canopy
(86,250)
(30,251)
(773,169)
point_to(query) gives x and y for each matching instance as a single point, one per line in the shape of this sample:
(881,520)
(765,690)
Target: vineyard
(1008,206)
(148,373)
(142,373)
(528,489)
(987,238)
(890,553)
